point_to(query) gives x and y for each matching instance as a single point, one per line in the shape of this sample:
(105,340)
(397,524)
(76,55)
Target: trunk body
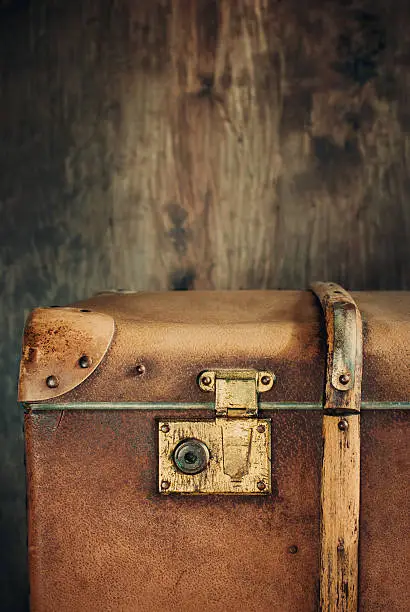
(104,536)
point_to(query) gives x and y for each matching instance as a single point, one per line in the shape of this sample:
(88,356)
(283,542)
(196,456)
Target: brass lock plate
(224,456)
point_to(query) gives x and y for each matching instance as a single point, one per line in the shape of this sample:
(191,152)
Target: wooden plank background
(170,144)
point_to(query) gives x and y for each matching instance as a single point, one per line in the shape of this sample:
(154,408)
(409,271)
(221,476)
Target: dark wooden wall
(170,144)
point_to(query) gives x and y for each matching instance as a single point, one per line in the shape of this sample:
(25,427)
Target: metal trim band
(202,406)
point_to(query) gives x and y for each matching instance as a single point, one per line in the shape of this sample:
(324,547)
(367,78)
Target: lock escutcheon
(191,456)
(231,454)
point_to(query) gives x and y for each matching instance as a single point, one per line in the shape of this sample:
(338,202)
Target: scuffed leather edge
(55,340)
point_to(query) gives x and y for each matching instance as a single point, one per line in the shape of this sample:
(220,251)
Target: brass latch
(231,454)
(236,391)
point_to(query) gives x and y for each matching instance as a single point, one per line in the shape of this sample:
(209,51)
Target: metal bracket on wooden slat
(344,349)
(340,488)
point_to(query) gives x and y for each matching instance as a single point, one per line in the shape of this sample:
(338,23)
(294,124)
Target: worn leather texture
(384,565)
(101,538)
(176,335)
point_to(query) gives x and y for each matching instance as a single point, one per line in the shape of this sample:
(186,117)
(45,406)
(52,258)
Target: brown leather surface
(102,539)
(176,335)
(55,341)
(384,566)
(386,348)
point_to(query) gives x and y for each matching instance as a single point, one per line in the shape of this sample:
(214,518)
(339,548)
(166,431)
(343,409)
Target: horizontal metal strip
(203,406)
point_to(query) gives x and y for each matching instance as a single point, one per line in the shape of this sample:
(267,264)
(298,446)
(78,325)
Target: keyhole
(191,456)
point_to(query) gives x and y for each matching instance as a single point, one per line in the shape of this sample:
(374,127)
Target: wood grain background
(170,144)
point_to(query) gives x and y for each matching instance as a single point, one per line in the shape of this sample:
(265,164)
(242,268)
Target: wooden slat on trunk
(340,492)
(340,514)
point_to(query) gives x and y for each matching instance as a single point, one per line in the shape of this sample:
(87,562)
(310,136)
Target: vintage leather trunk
(224,451)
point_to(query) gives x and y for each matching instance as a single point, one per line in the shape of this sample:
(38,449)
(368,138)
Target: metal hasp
(229,455)
(340,487)
(236,390)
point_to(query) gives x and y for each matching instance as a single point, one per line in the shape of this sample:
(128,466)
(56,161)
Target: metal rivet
(84,361)
(343,425)
(265,380)
(261,485)
(206,381)
(165,428)
(52,382)
(344,379)
(260,428)
(293,549)
(140,369)
(165,484)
